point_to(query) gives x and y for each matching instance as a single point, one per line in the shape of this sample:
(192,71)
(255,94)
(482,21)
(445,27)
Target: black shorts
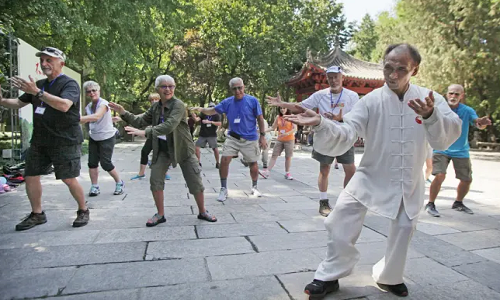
(66,160)
(345,159)
(101,152)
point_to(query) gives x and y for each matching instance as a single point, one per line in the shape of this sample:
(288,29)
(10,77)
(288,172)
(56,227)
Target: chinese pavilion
(359,76)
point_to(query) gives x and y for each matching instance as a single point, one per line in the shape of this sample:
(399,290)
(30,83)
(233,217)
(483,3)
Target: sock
(95,185)
(223,182)
(254,183)
(323,195)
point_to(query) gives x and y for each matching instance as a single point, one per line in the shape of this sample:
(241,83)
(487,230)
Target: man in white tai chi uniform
(396,125)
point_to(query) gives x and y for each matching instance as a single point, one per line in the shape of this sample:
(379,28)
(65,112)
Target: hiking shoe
(318,289)
(288,176)
(138,177)
(256,192)
(458,205)
(94,191)
(431,209)
(222,194)
(397,289)
(31,221)
(167,177)
(82,218)
(324,208)
(119,188)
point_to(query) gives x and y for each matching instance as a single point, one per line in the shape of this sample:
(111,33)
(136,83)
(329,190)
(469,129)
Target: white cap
(51,51)
(334,69)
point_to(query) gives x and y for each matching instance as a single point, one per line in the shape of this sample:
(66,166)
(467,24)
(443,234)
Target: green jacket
(175,127)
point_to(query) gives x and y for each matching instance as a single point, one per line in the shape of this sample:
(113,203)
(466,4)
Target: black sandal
(155,220)
(207,217)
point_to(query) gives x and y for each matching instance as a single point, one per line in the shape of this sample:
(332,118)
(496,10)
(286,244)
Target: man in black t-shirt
(208,134)
(57,136)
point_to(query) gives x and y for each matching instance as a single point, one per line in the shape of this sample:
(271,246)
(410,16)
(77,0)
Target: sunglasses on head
(52,50)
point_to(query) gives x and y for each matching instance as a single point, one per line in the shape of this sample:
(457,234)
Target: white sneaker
(256,192)
(222,195)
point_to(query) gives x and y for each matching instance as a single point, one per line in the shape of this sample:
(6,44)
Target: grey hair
(91,84)
(161,78)
(235,80)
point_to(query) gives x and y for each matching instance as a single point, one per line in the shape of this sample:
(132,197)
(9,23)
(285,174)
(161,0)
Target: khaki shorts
(203,141)
(288,146)
(462,166)
(249,149)
(345,159)
(190,168)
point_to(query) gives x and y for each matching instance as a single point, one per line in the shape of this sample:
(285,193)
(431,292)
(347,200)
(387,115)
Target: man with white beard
(396,125)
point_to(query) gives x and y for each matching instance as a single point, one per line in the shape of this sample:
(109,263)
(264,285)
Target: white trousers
(344,226)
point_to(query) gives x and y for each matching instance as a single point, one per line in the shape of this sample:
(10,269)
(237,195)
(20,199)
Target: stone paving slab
(95,278)
(25,283)
(256,288)
(267,216)
(56,238)
(485,272)
(472,240)
(261,264)
(492,254)
(198,248)
(109,295)
(425,270)
(159,233)
(72,255)
(289,241)
(228,230)
(355,286)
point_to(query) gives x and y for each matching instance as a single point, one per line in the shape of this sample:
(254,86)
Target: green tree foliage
(364,40)
(124,45)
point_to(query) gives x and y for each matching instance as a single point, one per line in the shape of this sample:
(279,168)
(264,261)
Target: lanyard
(209,118)
(96,106)
(50,84)
(282,122)
(338,99)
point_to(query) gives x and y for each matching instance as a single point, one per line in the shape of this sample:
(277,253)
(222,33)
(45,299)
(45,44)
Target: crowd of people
(418,126)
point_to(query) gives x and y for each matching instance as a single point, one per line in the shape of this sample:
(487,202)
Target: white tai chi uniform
(389,180)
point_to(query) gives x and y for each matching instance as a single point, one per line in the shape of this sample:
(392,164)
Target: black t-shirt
(211,130)
(162,144)
(55,127)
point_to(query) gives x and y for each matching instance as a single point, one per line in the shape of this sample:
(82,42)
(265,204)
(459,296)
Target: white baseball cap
(334,69)
(51,51)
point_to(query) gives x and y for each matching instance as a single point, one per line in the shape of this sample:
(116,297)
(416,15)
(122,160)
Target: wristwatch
(39,95)
(262,134)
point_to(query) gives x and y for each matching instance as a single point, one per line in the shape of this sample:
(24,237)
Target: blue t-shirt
(246,110)
(460,148)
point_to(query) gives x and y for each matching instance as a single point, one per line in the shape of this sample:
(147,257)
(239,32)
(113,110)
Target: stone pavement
(261,248)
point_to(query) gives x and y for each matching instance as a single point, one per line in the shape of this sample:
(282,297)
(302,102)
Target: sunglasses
(170,87)
(237,88)
(452,93)
(91,91)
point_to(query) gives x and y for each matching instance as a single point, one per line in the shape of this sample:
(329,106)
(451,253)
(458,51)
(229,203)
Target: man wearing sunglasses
(57,136)
(242,112)
(458,153)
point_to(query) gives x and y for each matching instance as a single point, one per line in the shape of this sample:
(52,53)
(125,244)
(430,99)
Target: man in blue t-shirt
(458,153)
(241,110)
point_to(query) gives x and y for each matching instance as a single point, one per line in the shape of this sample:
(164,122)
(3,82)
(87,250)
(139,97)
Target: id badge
(209,125)
(40,110)
(163,137)
(282,131)
(237,121)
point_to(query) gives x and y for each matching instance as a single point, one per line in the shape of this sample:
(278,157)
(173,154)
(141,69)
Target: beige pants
(249,149)
(344,226)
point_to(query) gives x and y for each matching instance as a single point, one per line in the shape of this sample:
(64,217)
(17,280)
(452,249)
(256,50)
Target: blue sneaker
(167,177)
(119,189)
(138,177)
(94,191)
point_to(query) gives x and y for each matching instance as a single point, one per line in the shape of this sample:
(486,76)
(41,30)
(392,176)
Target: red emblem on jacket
(418,119)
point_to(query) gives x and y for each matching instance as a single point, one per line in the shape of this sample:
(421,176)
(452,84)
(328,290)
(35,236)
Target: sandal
(207,217)
(155,220)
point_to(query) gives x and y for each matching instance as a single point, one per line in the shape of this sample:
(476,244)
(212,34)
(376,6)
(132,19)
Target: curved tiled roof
(352,67)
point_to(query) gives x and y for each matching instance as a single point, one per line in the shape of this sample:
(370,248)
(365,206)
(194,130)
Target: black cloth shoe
(318,289)
(82,218)
(324,208)
(31,221)
(399,290)
(458,205)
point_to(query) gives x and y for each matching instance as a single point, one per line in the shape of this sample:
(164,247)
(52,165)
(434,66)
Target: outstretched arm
(276,101)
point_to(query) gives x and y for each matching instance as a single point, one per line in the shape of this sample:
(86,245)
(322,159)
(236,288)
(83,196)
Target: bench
(488,146)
